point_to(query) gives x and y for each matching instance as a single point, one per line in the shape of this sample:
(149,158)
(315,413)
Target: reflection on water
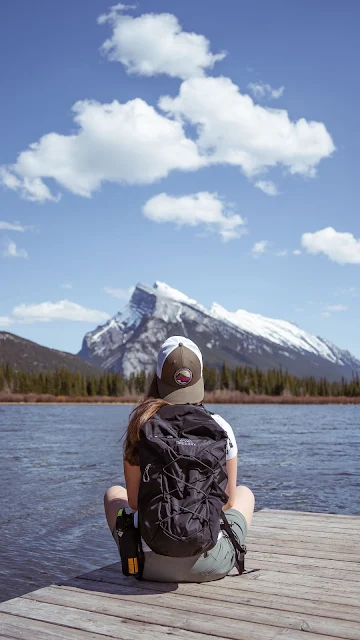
(57,461)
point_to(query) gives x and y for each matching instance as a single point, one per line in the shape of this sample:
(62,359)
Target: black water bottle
(128,542)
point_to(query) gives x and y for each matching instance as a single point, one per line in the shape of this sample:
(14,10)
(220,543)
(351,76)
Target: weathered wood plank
(155,620)
(270,577)
(160,607)
(283,567)
(306,578)
(312,514)
(314,551)
(305,562)
(245,597)
(98,623)
(308,525)
(27,629)
(296,533)
(324,595)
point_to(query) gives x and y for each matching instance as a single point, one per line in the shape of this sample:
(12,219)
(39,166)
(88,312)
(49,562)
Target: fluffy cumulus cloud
(232,129)
(340,247)
(201,208)
(127,143)
(11,250)
(261,91)
(30,187)
(209,122)
(267,187)
(62,310)
(156,43)
(259,248)
(120,294)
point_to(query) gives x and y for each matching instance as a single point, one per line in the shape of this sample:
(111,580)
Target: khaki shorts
(213,565)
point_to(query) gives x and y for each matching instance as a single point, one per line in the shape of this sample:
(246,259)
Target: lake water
(57,461)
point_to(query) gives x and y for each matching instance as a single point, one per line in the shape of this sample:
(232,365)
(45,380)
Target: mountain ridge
(129,341)
(28,356)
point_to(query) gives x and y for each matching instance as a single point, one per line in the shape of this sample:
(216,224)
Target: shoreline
(212,397)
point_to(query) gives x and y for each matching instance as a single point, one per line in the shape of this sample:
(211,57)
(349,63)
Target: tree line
(274,382)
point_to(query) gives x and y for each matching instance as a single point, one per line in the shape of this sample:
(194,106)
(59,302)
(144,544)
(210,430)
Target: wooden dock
(303,582)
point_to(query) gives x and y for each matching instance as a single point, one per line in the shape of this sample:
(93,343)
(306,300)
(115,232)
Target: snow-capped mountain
(130,340)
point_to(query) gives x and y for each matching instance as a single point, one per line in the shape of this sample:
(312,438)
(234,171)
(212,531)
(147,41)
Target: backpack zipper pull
(146,477)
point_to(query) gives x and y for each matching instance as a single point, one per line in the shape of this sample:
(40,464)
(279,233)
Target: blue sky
(179,163)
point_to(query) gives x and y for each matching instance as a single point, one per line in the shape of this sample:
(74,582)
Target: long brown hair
(138,417)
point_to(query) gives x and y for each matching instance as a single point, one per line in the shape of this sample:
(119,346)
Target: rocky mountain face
(130,340)
(24,355)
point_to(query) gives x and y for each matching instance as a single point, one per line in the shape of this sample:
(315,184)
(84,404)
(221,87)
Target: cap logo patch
(183,376)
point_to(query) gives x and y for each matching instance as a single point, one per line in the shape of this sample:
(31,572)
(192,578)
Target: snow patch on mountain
(279,331)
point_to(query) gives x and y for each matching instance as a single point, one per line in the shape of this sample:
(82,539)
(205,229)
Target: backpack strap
(240,549)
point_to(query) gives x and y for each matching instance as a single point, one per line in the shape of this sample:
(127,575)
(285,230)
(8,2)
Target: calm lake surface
(57,461)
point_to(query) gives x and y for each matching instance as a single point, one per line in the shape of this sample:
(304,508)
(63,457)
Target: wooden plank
(329,544)
(25,628)
(324,595)
(308,525)
(155,620)
(296,533)
(309,562)
(159,607)
(281,568)
(313,514)
(273,577)
(303,551)
(270,576)
(211,591)
(314,519)
(99,623)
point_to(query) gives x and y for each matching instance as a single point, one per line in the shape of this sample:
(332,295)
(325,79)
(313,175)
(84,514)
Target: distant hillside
(24,355)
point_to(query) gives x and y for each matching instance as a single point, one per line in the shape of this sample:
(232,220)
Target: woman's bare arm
(132,479)
(231,467)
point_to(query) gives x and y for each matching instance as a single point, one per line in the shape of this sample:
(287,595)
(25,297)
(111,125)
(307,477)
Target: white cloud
(259,248)
(282,253)
(5,321)
(261,90)
(62,310)
(337,307)
(11,226)
(267,187)
(67,285)
(121,294)
(11,251)
(127,143)
(325,314)
(296,252)
(156,43)
(232,129)
(340,247)
(30,187)
(196,209)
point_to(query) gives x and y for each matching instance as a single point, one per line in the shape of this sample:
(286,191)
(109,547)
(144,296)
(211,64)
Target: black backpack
(182,453)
